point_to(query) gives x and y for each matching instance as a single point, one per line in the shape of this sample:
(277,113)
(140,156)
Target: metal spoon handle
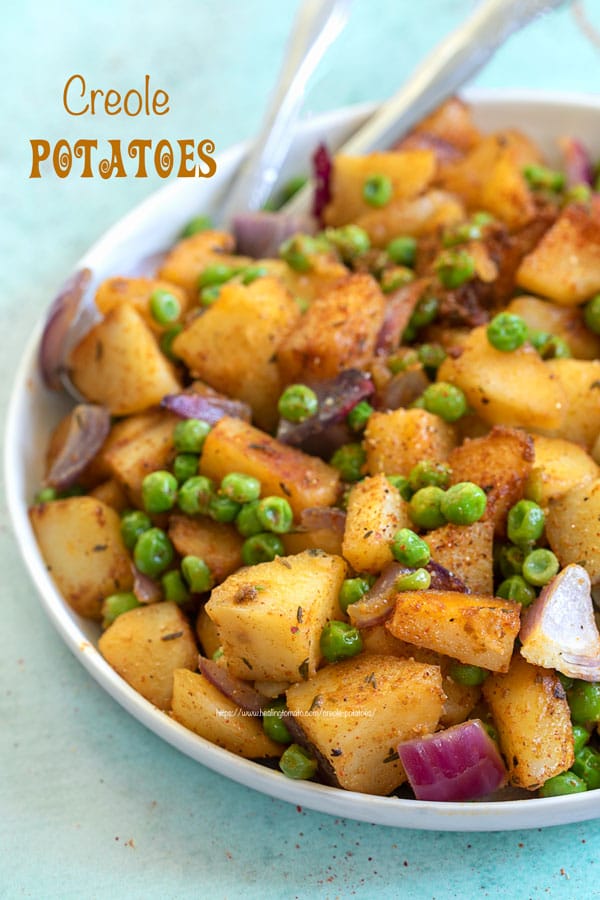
(317,25)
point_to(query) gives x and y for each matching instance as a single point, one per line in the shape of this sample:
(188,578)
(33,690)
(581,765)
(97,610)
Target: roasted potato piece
(452,122)
(580,380)
(573,527)
(466,551)
(232,345)
(189,257)
(531,713)
(270,616)
(137,292)
(119,364)
(559,466)
(472,628)
(80,540)
(325,270)
(112,493)
(355,713)
(218,544)
(207,633)
(374,513)
(202,708)
(396,441)
(130,460)
(564,321)
(418,216)
(235,446)
(337,332)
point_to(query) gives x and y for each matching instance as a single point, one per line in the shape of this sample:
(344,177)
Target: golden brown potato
(112,493)
(189,257)
(564,321)
(580,380)
(374,513)
(130,459)
(466,551)
(356,712)
(417,216)
(396,441)
(559,466)
(137,292)
(475,629)
(452,122)
(218,544)
(80,540)
(146,645)
(573,527)
(337,332)
(119,364)
(207,633)
(531,713)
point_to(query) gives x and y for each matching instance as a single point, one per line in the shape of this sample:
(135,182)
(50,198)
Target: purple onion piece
(317,517)
(260,234)
(88,428)
(145,589)
(578,165)
(238,691)
(322,165)
(458,764)
(62,313)
(337,397)
(205,406)
(398,310)
(402,390)
(444,580)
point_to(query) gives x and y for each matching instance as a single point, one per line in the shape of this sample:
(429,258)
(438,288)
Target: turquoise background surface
(92,805)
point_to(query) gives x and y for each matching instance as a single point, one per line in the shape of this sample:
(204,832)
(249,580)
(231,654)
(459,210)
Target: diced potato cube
(270,616)
(202,708)
(112,493)
(573,527)
(452,122)
(374,513)
(396,441)
(532,716)
(218,544)
(137,292)
(565,265)
(189,257)
(466,551)
(356,712)
(232,345)
(325,270)
(564,321)
(80,540)
(327,539)
(475,629)
(236,446)
(207,633)
(559,466)
(417,216)
(146,645)
(337,332)
(493,384)
(119,364)
(580,380)
(130,460)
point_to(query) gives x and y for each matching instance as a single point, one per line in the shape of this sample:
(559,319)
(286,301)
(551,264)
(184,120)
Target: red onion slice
(235,689)
(88,429)
(145,589)
(458,764)
(205,406)
(403,389)
(322,165)
(398,310)
(260,234)
(315,518)
(61,315)
(577,162)
(558,630)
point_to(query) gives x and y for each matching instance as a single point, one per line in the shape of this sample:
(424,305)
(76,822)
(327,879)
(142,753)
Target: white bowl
(33,411)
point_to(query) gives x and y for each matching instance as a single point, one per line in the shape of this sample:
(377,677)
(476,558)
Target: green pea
(467,231)
(409,334)
(566,681)
(578,193)
(542,178)
(584,701)
(549,346)
(540,566)
(507,332)
(275,514)
(395,278)
(350,241)
(46,495)
(564,783)
(403,250)
(216,274)
(74,490)
(223,509)
(445,400)
(454,268)
(159,491)
(274,724)
(463,503)
(409,549)
(297,403)
(164,307)
(241,488)
(115,605)
(197,574)
(262,547)
(247,521)
(377,190)
(351,591)
(174,587)
(196,225)
(403,360)
(463,673)
(133,524)
(516,589)
(153,552)
(209,294)
(296,763)
(581,737)
(253,273)
(349,460)
(298,251)
(587,767)
(189,435)
(400,482)
(591,314)
(431,356)
(339,640)
(302,304)
(419,580)
(290,188)
(510,560)
(425,508)
(185,465)
(195,495)
(359,416)
(166,342)
(218,654)
(424,312)
(525,522)
(427,472)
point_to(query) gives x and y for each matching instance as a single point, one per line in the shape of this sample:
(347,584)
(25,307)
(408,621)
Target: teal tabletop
(92,804)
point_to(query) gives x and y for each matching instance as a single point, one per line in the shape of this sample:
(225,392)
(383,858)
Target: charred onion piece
(337,397)
(322,165)
(399,308)
(260,234)
(62,313)
(235,689)
(559,630)
(145,589)
(88,428)
(206,407)
(403,389)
